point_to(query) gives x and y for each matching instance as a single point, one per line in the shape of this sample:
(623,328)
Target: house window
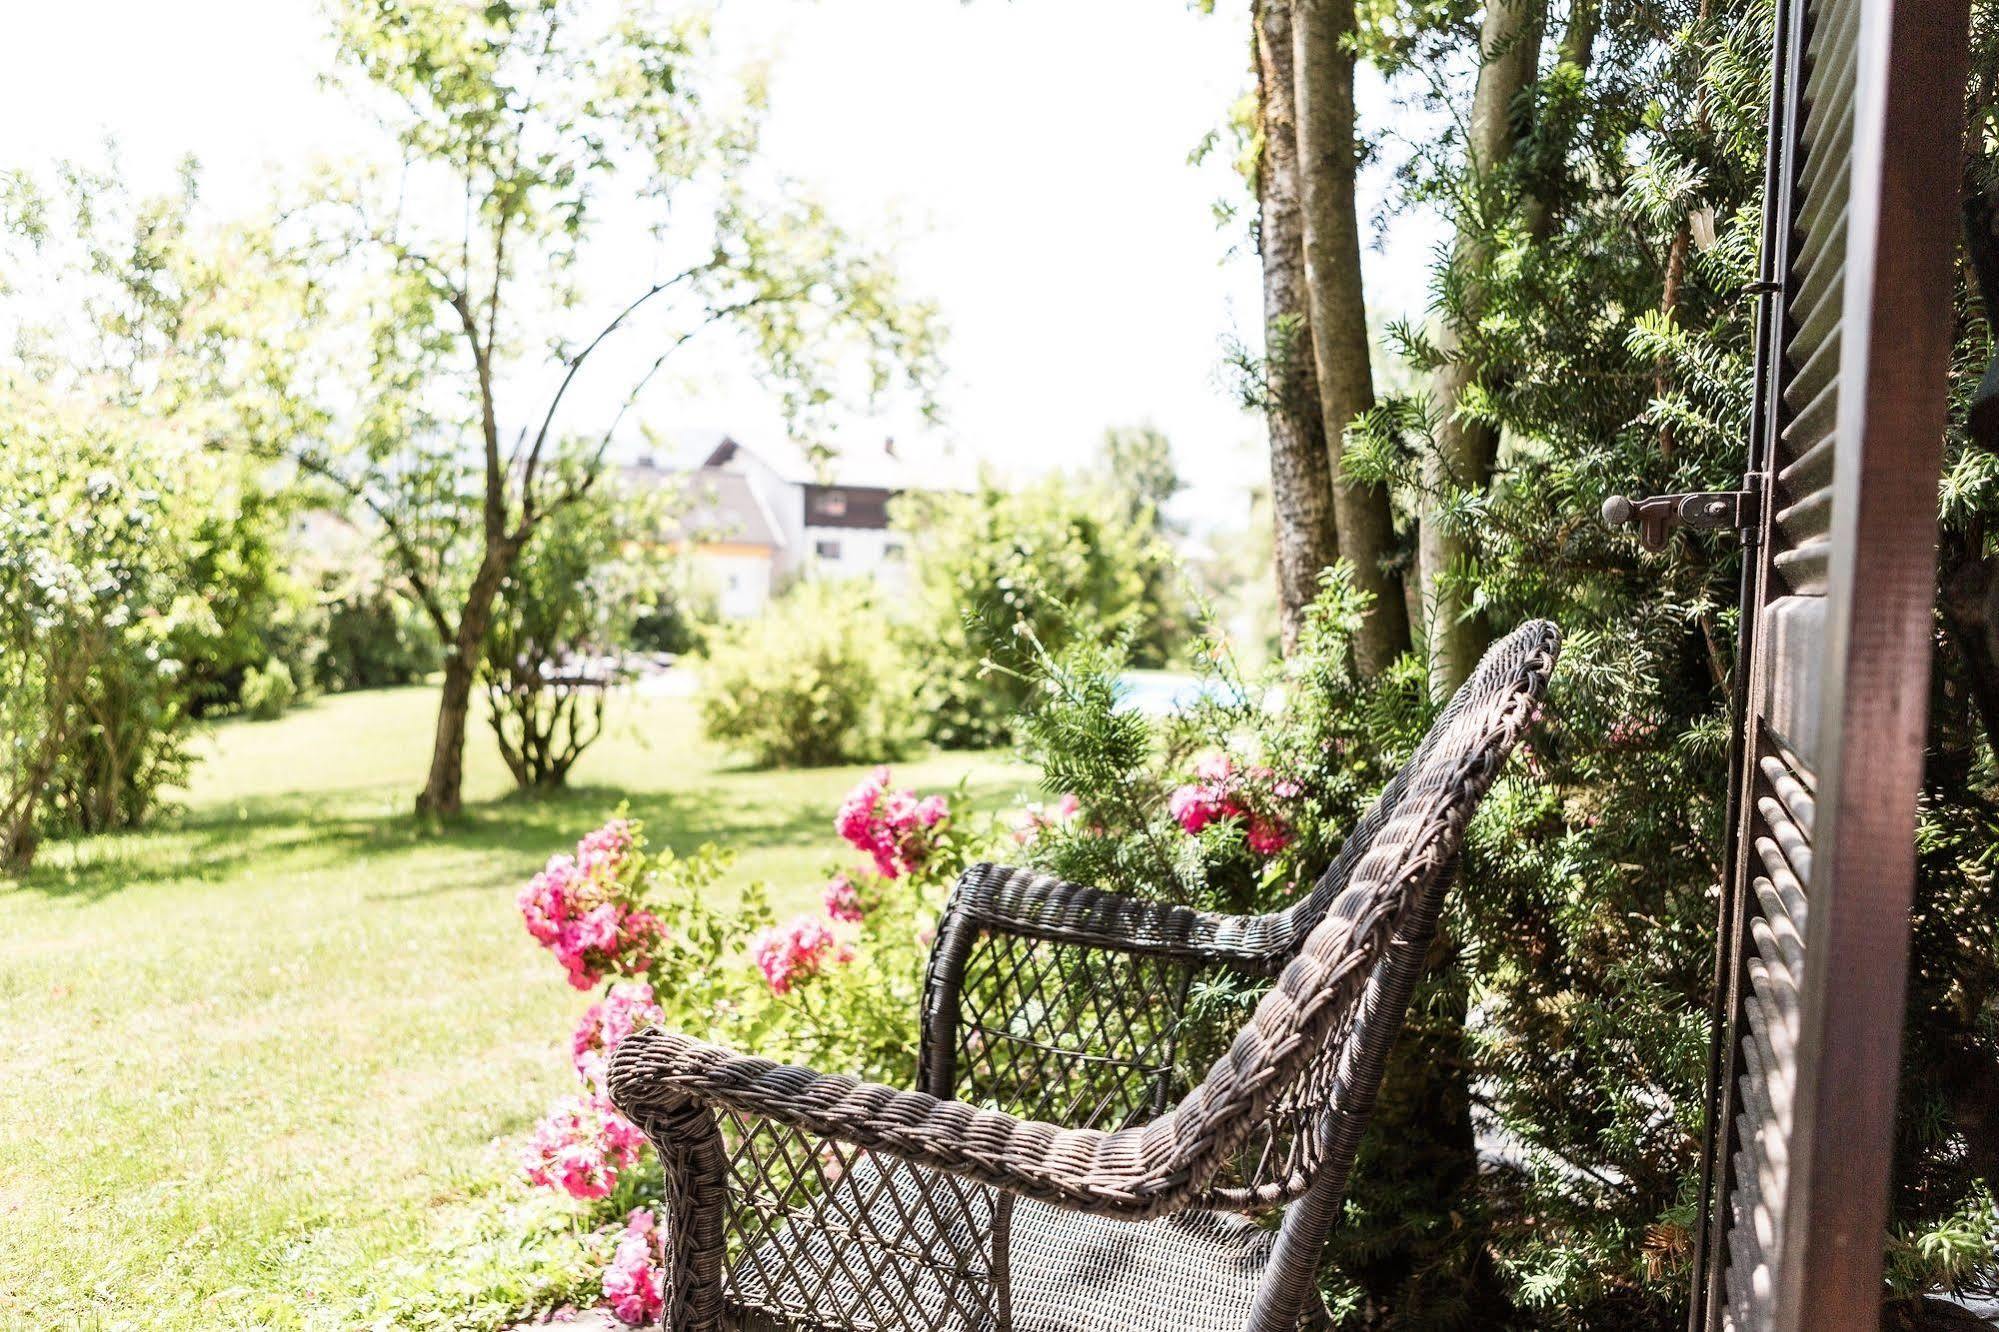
(826,550)
(829,504)
(892,550)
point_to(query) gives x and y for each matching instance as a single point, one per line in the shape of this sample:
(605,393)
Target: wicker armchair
(1057,1173)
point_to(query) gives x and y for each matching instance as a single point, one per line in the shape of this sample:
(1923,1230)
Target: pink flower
(544,902)
(606,1023)
(1226,792)
(606,847)
(1192,808)
(1027,825)
(598,929)
(583,910)
(632,1281)
(842,902)
(581,1146)
(1626,731)
(792,952)
(855,821)
(891,827)
(1267,836)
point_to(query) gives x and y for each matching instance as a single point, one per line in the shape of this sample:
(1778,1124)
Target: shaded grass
(250,1056)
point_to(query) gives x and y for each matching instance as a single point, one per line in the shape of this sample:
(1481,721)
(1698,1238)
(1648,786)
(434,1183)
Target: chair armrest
(663,1082)
(1034,905)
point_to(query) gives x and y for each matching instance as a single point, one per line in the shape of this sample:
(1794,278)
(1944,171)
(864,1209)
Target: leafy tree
(815,680)
(1284,384)
(1585,344)
(562,616)
(996,570)
(119,588)
(454,285)
(1314,376)
(1137,465)
(141,573)
(1323,56)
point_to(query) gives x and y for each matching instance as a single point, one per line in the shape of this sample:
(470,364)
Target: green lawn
(250,1055)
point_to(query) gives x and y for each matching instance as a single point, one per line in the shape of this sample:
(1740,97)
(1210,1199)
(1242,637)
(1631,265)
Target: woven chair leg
(691,1216)
(1289,1287)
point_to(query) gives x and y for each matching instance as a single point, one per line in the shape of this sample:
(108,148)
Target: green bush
(566,607)
(133,567)
(268,693)
(814,681)
(996,570)
(665,626)
(371,639)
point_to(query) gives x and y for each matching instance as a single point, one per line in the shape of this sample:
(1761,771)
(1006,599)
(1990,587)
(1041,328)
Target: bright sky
(1033,153)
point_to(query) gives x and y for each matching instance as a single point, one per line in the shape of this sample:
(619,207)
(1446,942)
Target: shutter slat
(1804,570)
(1798,802)
(1809,519)
(1811,468)
(1813,376)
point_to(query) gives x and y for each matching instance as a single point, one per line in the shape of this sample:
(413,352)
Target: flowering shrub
(1225,792)
(625,1008)
(584,909)
(1031,820)
(893,827)
(835,987)
(581,1147)
(632,1281)
(843,901)
(795,951)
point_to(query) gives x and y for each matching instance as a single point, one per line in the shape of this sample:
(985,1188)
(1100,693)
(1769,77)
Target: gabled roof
(723,507)
(888,465)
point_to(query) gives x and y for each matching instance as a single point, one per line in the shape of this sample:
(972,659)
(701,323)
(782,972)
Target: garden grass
(252,1058)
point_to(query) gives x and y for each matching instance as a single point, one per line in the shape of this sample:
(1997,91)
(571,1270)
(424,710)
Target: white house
(761,516)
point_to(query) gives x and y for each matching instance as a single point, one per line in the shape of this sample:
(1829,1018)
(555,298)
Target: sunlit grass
(249,1056)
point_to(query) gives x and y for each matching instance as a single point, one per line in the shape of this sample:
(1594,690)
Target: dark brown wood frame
(1873,678)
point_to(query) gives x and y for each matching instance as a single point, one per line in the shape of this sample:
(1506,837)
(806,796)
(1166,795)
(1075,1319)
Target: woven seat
(1065,1167)
(1065,1271)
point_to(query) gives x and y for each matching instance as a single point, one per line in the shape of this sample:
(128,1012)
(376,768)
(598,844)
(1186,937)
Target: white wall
(741,584)
(864,552)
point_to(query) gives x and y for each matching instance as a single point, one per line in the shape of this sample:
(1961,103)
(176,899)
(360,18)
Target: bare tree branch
(578,488)
(406,551)
(575,364)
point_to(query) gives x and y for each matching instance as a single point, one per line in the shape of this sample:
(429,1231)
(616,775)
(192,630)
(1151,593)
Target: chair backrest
(1496,675)
(1309,1061)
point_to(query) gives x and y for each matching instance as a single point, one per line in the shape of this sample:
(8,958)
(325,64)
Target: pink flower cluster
(843,901)
(629,1006)
(632,1281)
(892,826)
(1028,825)
(1625,732)
(791,952)
(579,909)
(1226,792)
(581,1146)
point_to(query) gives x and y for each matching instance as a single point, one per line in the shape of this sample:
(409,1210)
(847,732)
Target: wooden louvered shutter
(1866,145)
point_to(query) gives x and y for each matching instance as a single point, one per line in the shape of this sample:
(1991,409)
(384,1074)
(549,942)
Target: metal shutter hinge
(1713,510)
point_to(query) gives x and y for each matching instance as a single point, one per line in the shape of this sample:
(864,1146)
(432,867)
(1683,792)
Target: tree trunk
(443,793)
(1327,162)
(1463,453)
(1301,473)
